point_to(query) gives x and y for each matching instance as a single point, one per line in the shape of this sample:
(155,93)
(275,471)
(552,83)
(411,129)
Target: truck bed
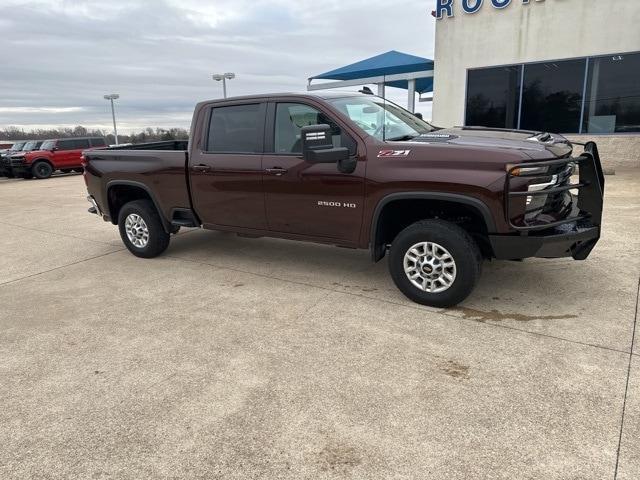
(164,145)
(151,167)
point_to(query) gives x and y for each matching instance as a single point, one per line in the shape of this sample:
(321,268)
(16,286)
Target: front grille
(555,205)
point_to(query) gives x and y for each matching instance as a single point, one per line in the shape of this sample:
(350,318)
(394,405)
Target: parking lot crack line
(61,267)
(626,388)
(416,308)
(56,233)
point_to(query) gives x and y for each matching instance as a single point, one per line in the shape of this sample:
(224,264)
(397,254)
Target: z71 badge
(393,153)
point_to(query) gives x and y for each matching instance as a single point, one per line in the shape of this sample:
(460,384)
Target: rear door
(313,200)
(226,169)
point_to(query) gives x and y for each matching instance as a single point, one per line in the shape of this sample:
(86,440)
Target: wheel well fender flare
(131,183)
(472,202)
(42,159)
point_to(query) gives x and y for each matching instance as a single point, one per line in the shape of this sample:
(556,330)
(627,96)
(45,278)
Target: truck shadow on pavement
(508,290)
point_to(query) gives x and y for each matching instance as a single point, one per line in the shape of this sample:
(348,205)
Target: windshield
(29,146)
(17,146)
(368,114)
(48,145)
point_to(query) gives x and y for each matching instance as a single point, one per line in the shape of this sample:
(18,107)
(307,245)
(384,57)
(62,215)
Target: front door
(226,172)
(67,153)
(307,199)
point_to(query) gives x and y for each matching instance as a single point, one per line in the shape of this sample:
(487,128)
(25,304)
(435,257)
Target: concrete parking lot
(260,358)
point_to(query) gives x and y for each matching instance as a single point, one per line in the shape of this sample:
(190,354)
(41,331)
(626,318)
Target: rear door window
(80,143)
(65,145)
(236,129)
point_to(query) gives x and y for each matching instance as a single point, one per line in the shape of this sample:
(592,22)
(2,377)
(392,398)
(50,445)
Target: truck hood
(536,145)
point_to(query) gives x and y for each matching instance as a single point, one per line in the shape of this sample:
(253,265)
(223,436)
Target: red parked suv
(61,154)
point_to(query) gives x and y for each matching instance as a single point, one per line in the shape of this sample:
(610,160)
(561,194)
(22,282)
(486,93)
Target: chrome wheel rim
(137,230)
(430,267)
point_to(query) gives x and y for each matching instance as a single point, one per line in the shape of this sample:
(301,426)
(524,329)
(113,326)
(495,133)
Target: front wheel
(435,263)
(141,229)
(41,170)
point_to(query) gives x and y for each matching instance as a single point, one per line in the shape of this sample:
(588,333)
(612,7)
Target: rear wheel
(41,169)
(141,229)
(435,263)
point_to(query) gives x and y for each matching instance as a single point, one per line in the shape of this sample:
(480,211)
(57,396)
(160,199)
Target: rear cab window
(236,129)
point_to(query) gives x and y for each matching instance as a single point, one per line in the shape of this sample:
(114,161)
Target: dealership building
(567,66)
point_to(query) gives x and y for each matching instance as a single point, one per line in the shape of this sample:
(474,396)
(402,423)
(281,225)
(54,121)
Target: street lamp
(112,97)
(224,77)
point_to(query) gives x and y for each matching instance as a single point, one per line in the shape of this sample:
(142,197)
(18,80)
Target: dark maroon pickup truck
(356,171)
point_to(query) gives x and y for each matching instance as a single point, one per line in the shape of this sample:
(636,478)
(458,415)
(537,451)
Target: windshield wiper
(402,138)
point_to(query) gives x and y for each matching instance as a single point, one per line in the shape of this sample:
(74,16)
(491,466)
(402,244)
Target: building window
(552,96)
(493,96)
(556,96)
(612,102)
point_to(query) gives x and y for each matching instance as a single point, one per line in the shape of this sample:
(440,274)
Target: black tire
(10,175)
(27,176)
(66,170)
(158,239)
(460,246)
(79,170)
(41,169)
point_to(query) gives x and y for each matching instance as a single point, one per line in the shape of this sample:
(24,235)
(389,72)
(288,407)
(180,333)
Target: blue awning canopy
(385,64)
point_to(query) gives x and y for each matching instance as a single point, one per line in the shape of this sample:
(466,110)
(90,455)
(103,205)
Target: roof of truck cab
(321,95)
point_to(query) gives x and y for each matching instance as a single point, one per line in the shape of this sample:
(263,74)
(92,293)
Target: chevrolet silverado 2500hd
(356,171)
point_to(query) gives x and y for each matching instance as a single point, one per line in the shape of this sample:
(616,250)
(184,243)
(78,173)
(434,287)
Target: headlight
(526,170)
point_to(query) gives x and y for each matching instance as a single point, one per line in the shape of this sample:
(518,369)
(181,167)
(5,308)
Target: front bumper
(572,236)
(5,166)
(569,241)
(18,166)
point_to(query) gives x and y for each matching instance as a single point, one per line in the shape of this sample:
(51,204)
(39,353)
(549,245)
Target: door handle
(201,168)
(277,171)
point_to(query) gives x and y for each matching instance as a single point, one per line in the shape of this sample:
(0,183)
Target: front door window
(291,117)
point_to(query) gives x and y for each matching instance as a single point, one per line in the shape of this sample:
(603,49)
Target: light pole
(112,97)
(224,77)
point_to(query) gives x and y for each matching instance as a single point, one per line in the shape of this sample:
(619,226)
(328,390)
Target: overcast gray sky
(59,57)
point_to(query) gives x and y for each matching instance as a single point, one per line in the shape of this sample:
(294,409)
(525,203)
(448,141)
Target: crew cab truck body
(57,154)
(356,171)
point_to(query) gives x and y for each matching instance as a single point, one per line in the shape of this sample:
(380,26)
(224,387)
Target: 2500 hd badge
(323,203)
(437,201)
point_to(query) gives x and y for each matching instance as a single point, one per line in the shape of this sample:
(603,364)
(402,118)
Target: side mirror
(53,149)
(317,146)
